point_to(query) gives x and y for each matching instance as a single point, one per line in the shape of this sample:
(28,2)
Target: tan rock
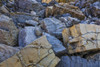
(82,37)
(8,31)
(63,8)
(37,54)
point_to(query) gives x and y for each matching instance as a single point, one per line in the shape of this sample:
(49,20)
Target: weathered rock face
(76,61)
(26,36)
(52,25)
(69,21)
(28,5)
(6,52)
(94,57)
(81,37)
(61,8)
(21,17)
(8,31)
(37,54)
(57,45)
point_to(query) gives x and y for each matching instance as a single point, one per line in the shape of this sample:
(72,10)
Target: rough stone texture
(52,25)
(96,9)
(8,31)
(28,5)
(37,54)
(62,8)
(69,21)
(57,45)
(82,37)
(20,18)
(76,61)
(26,36)
(6,52)
(95,56)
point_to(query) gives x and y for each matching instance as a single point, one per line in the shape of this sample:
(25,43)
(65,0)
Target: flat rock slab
(76,61)
(37,54)
(8,31)
(63,8)
(82,37)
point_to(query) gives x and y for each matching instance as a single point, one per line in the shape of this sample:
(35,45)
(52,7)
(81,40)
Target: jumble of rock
(49,33)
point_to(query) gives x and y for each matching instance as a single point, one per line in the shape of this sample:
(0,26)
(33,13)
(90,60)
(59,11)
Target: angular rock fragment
(96,9)
(31,22)
(82,37)
(52,25)
(26,36)
(6,52)
(57,45)
(61,8)
(8,31)
(76,61)
(21,18)
(37,54)
(69,21)
(28,5)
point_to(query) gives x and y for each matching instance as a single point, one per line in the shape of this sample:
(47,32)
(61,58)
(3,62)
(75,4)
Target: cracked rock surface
(36,54)
(81,37)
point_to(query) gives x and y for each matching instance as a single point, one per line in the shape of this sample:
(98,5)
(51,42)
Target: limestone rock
(82,37)
(37,54)
(52,25)
(76,61)
(61,8)
(26,36)
(57,45)
(8,31)
(6,52)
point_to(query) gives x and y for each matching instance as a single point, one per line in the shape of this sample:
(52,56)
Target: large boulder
(81,38)
(8,31)
(52,25)
(6,52)
(26,36)
(57,45)
(37,54)
(63,8)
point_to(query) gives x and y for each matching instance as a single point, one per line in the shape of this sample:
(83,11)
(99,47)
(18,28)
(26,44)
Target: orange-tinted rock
(82,37)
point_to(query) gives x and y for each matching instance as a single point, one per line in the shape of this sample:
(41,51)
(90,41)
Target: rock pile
(36,34)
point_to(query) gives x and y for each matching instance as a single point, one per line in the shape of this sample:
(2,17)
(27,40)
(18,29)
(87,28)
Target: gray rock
(31,22)
(69,21)
(26,36)
(76,61)
(52,25)
(6,52)
(38,31)
(57,45)
(28,5)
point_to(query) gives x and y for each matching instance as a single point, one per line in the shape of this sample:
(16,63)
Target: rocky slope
(35,33)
